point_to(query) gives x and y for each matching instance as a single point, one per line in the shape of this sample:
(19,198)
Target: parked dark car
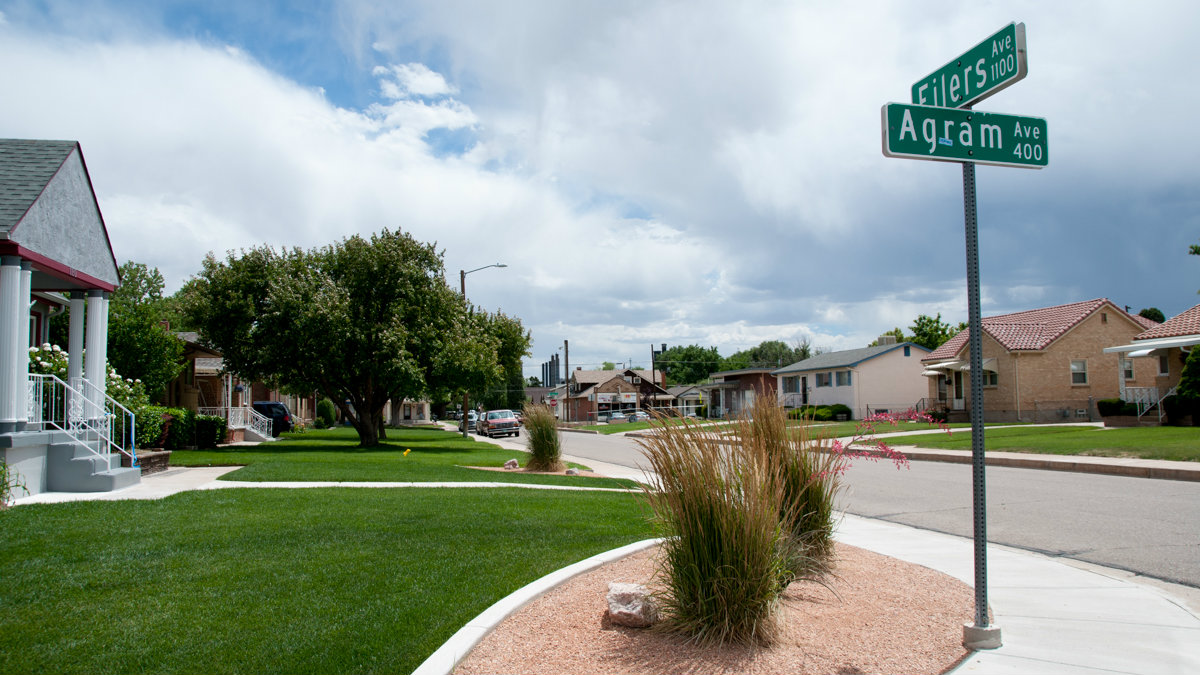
(281,417)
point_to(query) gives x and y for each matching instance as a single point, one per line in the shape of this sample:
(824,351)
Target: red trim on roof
(74,279)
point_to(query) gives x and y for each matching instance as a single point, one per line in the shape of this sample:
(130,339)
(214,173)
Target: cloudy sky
(679,172)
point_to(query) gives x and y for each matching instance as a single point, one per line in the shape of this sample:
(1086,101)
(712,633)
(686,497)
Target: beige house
(884,378)
(1042,365)
(1165,347)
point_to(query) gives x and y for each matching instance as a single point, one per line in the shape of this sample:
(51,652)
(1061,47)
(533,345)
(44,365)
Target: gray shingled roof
(25,168)
(843,359)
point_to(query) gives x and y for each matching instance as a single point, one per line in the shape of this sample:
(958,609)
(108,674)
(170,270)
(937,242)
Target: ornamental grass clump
(810,477)
(725,557)
(545,445)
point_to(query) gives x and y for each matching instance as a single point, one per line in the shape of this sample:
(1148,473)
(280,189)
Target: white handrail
(242,418)
(85,414)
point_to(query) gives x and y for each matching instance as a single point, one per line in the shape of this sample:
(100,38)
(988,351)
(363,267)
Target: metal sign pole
(981,635)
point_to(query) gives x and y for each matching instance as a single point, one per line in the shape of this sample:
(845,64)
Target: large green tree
(931,332)
(361,321)
(141,345)
(689,364)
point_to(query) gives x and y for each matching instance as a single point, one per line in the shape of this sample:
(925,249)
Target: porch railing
(242,418)
(1147,399)
(92,419)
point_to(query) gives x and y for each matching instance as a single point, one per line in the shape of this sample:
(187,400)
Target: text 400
(1028,151)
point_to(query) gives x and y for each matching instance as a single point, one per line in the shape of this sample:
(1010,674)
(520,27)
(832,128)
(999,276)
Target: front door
(959,397)
(804,390)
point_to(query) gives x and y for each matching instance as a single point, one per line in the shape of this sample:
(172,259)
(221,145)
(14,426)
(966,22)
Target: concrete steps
(71,468)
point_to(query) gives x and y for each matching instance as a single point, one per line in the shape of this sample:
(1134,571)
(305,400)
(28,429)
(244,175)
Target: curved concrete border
(443,661)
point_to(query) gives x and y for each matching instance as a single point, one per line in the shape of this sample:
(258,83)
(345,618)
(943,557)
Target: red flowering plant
(865,443)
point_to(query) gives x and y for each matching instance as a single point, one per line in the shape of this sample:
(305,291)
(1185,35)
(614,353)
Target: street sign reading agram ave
(983,70)
(952,135)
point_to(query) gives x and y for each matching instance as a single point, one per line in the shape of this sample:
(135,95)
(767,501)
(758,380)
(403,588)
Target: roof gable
(1187,323)
(49,212)
(1031,330)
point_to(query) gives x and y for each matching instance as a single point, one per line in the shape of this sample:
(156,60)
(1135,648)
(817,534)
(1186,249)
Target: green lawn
(1174,443)
(325,580)
(333,455)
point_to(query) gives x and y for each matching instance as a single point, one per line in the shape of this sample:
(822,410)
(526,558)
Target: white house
(868,380)
(59,436)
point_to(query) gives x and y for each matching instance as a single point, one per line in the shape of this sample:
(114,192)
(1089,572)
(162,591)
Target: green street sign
(953,135)
(983,70)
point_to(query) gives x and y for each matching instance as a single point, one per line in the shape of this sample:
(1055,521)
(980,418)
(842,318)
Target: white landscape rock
(631,605)
(511,464)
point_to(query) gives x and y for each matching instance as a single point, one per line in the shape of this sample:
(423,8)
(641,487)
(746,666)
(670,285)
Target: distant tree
(1153,313)
(141,345)
(608,365)
(769,354)
(932,332)
(1194,249)
(533,381)
(689,364)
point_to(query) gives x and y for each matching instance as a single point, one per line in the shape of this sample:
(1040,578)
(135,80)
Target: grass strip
(327,580)
(334,455)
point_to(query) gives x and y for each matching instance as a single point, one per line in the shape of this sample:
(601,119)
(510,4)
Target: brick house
(732,391)
(592,395)
(1165,346)
(1041,365)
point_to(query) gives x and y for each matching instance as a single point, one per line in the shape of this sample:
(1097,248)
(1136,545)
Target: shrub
(326,414)
(210,430)
(840,409)
(822,414)
(154,431)
(545,445)
(1109,407)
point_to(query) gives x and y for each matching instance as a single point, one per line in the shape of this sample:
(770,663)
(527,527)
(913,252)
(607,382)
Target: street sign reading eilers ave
(986,68)
(953,135)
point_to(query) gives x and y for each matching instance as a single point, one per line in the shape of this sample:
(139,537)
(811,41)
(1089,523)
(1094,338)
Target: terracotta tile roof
(1031,330)
(1187,323)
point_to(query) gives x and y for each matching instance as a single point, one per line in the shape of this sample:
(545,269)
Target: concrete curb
(1112,466)
(443,661)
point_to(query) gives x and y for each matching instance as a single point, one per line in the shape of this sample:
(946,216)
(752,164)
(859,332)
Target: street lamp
(462,283)
(462,276)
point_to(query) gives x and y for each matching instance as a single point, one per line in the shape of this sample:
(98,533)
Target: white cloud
(650,172)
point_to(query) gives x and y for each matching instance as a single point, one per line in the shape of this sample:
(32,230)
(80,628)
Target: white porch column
(97,344)
(75,338)
(22,374)
(77,309)
(12,313)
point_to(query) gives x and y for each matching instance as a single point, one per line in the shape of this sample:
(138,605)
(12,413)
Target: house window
(791,385)
(843,378)
(991,378)
(1164,365)
(824,380)
(907,350)
(1079,372)
(1127,368)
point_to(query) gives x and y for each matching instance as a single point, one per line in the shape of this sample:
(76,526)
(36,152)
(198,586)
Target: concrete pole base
(981,637)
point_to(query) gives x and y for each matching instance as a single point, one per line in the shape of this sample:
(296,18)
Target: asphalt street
(1146,526)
